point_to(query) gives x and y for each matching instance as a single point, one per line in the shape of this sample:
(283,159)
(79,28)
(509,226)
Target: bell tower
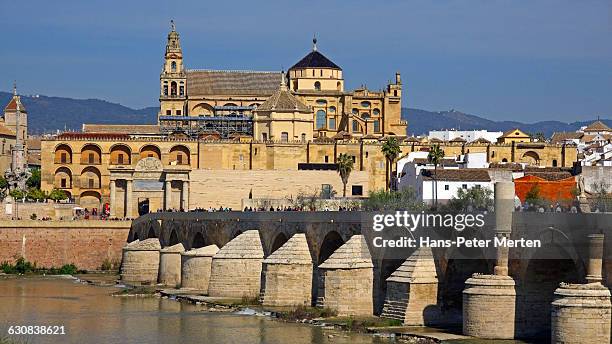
(173,79)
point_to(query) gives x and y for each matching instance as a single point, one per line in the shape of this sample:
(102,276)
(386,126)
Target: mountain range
(49,114)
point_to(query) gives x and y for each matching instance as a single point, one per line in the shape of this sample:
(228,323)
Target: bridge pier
(412,290)
(140,262)
(196,267)
(287,274)
(581,313)
(348,279)
(236,268)
(170,265)
(489,301)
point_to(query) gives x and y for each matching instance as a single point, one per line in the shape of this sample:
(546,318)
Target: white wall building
(467,135)
(410,166)
(449,182)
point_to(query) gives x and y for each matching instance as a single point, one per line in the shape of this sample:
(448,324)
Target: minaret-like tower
(17,175)
(173,79)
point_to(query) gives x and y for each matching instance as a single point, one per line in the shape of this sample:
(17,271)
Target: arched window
(173,88)
(395,93)
(365,104)
(303,137)
(179,155)
(321,102)
(376,112)
(554,162)
(173,66)
(492,154)
(339,86)
(120,155)
(321,118)
(284,136)
(377,126)
(165,88)
(317,86)
(332,123)
(91,155)
(182,89)
(355,112)
(355,127)
(332,109)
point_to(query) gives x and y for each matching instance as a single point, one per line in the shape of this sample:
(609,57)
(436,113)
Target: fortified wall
(86,244)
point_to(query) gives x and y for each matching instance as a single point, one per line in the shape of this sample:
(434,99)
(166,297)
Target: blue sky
(517,60)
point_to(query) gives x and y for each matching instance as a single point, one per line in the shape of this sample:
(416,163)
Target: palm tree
(435,157)
(391,150)
(345,166)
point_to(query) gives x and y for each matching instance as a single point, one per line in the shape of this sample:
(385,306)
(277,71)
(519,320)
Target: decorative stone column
(168,195)
(129,199)
(581,314)
(185,196)
(489,301)
(113,202)
(596,248)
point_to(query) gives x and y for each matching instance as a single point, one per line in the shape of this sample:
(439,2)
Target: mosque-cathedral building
(223,136)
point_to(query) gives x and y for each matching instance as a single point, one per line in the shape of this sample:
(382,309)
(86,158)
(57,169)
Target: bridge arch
(198,241)
(173,238)
(279,240)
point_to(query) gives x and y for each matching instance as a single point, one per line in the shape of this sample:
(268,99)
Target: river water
(90,315)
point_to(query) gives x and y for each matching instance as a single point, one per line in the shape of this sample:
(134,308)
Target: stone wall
(214,188)
(87,244)
(235,278)
(26,209)
(348,291)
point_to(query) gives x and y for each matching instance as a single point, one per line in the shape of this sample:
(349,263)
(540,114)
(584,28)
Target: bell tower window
(173,66)
(317,86)
(173,88)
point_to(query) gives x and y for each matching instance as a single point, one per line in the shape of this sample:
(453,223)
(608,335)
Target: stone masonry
(288,274)
(412,290)
(196,266)
(170,265)
(347,279)
(140,262)
(236,268)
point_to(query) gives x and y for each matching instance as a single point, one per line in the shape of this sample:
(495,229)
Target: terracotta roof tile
(208,82)
(597,126)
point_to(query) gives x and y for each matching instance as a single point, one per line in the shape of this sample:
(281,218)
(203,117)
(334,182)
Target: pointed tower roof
(283,101)
(246,246)
(354,254)
(15,102)
(418,268)
(315,60)
(294,251)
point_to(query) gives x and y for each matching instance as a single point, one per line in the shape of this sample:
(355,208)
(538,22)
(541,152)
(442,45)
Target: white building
(410,166)
(467,135)
(449,182)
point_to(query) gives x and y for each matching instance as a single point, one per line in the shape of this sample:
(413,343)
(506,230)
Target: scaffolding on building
(225,121)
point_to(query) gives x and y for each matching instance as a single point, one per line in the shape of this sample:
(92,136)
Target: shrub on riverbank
(302,312)
(23,267)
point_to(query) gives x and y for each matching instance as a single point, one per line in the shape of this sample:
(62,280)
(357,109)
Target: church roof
(315,60)
(230,82)
(14,104)
(597,126)
(283,101)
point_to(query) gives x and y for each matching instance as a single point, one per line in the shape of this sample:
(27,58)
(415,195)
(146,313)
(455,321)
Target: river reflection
(90,315)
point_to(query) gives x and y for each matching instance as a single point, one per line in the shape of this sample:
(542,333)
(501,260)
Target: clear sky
(521,60)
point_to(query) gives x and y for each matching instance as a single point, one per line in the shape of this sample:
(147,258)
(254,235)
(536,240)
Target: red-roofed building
(551,189)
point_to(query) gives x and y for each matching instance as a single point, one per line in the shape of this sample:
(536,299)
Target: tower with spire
(173,79)
(16,120)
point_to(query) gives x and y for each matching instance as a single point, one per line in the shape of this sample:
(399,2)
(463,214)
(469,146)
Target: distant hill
(48,114)
(422,121)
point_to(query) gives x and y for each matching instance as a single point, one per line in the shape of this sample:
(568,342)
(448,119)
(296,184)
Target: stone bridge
(563,257)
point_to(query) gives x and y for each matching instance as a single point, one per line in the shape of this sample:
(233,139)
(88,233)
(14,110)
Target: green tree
(477,198)
(435,157)
(3,183)
(57,195)
(34,180)
(37,194)
(345,167)
(17,194)
(386,200)
(391,150)
(539,136)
